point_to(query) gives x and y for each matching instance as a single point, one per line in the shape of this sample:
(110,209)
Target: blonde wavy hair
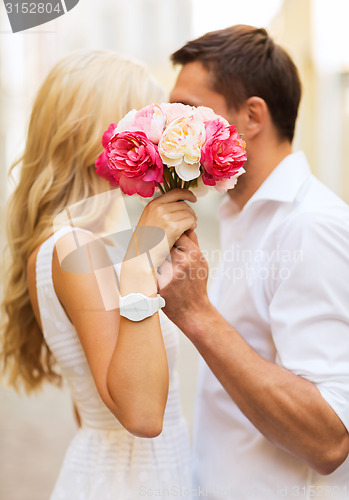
(81,96)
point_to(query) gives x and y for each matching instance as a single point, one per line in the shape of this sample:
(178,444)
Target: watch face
(135,307)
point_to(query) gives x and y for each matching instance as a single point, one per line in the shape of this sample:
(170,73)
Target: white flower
(180,145)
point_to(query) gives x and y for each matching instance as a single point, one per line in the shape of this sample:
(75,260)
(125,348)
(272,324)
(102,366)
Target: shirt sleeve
(309,309)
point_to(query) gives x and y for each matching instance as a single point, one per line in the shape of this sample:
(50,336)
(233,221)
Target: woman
(59,323)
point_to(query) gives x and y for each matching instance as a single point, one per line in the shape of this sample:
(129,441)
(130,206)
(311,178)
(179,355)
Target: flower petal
(224,185)
(108,134)
(200,189)
(188,172)
(171,162)
(127,121)
(103,170)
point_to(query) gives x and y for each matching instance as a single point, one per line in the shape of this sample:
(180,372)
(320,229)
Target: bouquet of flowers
(161,147)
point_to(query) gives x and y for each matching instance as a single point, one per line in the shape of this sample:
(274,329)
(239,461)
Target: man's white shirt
(283,284)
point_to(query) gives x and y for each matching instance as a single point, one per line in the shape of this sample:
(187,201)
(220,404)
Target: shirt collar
(281,185)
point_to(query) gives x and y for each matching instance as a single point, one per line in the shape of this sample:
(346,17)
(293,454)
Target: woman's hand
(171,214)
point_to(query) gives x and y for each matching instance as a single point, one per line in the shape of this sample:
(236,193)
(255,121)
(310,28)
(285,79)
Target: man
(272,410)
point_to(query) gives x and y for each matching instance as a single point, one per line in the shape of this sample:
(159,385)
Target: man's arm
(287,409)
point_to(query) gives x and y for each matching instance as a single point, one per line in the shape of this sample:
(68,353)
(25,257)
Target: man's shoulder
(315,197)
(315,205)
(317,213)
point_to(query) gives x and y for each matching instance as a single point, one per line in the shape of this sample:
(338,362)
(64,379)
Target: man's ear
(256,116)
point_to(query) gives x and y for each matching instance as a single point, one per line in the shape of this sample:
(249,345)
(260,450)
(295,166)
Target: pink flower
(223,185)
(108,134)
(150,120)
(223,153)
(102,168)
(175,110)
(133,163)
(207,114)
(102,164)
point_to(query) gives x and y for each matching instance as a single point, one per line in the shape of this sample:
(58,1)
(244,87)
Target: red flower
(132,162)
(108,134)
(223,153)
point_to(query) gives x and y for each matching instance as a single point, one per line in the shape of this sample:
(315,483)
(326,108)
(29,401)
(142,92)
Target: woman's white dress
(104,461)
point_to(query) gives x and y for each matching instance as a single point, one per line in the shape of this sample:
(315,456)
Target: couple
(272,408)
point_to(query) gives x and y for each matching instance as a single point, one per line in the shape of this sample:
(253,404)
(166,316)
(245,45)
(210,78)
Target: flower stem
(172,182)
(166,186)
(167,179)
(162,189)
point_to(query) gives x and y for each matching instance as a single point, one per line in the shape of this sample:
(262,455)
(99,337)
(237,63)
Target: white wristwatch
(136,306)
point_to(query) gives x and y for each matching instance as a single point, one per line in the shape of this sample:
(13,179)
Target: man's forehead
(193,73)
(192,85)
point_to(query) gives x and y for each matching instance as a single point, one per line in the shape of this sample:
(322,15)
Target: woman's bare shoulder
(31,281)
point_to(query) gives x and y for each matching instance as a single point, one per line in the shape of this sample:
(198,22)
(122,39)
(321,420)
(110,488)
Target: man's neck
(258,167)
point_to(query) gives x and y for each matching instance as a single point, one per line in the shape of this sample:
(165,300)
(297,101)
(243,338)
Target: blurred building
(317,38)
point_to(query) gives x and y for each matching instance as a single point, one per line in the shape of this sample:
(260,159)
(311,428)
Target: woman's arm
(127,359)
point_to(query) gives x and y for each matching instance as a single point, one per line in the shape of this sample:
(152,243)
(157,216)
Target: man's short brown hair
(244,61)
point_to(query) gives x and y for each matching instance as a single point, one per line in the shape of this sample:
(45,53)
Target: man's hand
(183,281)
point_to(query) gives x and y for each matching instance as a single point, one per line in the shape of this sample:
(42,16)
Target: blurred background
(34,432)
